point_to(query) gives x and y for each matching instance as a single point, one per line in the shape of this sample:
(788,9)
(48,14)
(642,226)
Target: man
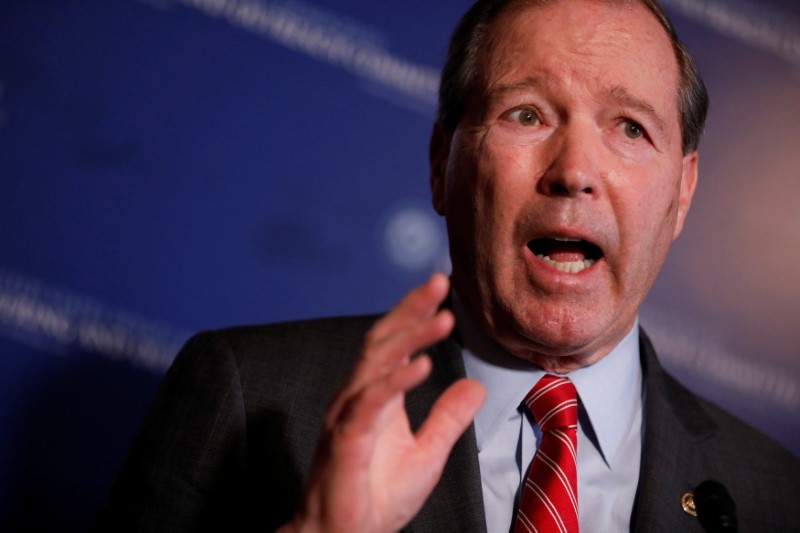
(564,161)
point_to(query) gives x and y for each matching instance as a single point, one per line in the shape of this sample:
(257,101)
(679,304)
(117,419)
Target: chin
(532,333)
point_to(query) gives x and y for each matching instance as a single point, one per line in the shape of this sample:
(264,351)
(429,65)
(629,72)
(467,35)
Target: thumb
(449,418)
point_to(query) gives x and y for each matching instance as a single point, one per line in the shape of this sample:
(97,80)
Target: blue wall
(174,165)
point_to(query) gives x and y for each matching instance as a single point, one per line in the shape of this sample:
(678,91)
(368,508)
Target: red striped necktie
(549,501)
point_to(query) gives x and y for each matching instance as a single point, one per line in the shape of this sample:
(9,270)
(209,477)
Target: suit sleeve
(185,466)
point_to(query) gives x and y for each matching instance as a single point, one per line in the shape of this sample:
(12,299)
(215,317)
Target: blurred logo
(413,240)
(57,320)
(328,37)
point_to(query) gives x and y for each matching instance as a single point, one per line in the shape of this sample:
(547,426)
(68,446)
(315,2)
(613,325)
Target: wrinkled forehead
(620,41)
(620,19)
(510,6)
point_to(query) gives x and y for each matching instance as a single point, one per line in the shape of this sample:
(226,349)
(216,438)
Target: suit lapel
(456,503)
(675,423)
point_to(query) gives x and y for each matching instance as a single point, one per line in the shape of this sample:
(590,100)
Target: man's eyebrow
(530,82)
(625,99)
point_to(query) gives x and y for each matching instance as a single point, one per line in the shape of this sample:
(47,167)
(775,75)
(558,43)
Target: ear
(688,184)
(438,153)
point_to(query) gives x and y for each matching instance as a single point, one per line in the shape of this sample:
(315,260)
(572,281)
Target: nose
(571,164)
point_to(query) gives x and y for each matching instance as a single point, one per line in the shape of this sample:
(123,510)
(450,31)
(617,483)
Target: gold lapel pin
(687,502)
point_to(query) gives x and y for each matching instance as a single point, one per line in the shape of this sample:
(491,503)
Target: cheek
(667,201)
(649,231)
(492,180)
(646,209)
(506,187)
(508,169)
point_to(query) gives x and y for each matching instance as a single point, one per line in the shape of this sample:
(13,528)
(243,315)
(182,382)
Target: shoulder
(725,438)
(703,420)
(233,425)
(296,333)
(762,476)
(700,441)
(296,338)
(737,445)
(303,351)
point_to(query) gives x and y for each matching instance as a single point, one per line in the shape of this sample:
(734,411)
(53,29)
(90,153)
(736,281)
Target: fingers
(449,418)
(421,302)
(360,413)
(370,472)
(412,325)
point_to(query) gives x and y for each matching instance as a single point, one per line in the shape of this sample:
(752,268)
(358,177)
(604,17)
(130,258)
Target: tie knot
(553,402)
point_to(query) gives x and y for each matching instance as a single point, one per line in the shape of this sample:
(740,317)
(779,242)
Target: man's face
(564,183)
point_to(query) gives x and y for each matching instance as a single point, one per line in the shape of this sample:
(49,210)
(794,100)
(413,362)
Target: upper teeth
(570,267)
(566,239)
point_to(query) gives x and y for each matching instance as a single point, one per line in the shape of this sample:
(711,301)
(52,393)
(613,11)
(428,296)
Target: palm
(371,472)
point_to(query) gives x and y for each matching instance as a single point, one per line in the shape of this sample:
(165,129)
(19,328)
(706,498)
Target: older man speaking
(564,160)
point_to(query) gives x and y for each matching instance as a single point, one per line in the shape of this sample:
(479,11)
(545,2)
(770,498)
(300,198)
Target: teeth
(570,267)
(566,239)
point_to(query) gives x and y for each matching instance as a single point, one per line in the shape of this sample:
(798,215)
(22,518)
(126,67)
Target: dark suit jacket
(230,437)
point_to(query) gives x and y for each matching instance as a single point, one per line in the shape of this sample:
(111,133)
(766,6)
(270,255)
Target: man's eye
(633,130)
(526,117)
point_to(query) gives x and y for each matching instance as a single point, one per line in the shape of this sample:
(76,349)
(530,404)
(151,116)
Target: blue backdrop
(174,165)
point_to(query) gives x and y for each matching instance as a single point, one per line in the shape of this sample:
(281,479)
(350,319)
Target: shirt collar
(506,378)
(609,390)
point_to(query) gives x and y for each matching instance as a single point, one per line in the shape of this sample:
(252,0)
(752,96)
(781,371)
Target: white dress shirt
(609,429)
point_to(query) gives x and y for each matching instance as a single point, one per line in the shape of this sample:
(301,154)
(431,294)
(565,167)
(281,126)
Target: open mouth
(565,254)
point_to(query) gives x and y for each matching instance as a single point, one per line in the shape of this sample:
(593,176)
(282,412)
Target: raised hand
(371,473)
